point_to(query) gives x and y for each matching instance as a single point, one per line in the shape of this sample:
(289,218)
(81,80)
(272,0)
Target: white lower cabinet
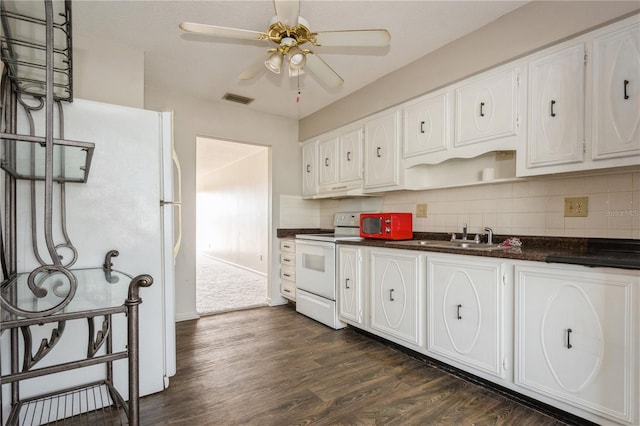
(350,285)
(288,268)
(566,335)
(397,294)
(576,338)
(465,312)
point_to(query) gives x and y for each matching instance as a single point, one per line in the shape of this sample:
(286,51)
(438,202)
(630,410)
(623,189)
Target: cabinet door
(427,126)
(616,96)
(328,162)
(556,108)
(487,109)
(381,151)
(574,338)
(309,168)
(350,156)
(350,285)
(465,312)
(396,295)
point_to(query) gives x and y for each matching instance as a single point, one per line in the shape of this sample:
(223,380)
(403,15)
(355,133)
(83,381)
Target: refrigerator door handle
(176,161)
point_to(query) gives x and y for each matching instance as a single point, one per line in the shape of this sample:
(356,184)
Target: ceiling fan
(290,32)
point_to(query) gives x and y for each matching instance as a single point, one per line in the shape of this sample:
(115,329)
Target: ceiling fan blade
(287,11)
(324,72)
(254,68)
(215,30)
(354,38)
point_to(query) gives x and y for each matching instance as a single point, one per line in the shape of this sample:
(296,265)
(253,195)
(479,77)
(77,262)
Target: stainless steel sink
(466,245)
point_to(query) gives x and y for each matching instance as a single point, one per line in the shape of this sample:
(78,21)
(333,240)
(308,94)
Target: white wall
(526,29)
(232,211)
(107,72)
(192,118)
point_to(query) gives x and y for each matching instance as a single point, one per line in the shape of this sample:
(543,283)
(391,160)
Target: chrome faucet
(489,235)
(464,231)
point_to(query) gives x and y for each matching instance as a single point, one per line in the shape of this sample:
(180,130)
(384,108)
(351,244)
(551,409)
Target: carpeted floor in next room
(221,287)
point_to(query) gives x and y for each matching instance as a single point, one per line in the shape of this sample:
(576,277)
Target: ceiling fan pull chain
(298,97)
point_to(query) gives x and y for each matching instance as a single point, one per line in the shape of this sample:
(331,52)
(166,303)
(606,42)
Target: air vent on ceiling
(237,98)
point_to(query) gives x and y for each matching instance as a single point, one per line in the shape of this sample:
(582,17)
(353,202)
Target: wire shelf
(93,404)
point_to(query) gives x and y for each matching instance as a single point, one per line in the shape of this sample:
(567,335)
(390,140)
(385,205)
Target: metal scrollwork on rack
(94,345)
(46,345)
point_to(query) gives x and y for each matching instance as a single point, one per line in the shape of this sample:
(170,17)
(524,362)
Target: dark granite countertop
(292,232)
(615,253)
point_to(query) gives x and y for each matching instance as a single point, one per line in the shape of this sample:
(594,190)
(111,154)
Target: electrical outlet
(421,210)
(575,206)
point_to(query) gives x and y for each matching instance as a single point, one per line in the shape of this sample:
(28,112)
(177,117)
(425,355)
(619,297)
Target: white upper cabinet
(575,338)
(556,108)
(427,125)
(309,168)
(328,167)
(382,139)
(616,93)
(350,156)
(487,108)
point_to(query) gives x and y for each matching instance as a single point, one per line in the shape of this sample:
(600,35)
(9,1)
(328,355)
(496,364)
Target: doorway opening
(232,225)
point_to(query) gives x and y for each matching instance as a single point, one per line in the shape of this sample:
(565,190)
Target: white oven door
(316,267)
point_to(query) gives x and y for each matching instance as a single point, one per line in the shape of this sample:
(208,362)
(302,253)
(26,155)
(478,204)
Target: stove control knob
(387,221)
(387,230)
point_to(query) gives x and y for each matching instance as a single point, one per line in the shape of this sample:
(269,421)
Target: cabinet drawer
(287,259)
(288,246)
(288,273)
(288,289)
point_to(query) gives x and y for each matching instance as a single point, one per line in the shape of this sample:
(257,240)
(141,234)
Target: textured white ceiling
(207,67)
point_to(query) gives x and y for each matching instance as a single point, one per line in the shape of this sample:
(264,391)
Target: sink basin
(466,245)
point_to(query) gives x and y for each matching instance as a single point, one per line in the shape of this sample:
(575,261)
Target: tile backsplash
(529,207)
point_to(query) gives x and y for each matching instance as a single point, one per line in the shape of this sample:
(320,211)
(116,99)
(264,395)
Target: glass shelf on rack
(23,43)
(97,290)
(23,157)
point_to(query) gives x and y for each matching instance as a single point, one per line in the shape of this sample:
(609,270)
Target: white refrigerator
(127,204)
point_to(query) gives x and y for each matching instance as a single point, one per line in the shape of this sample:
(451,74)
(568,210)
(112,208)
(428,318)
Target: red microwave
(386,226)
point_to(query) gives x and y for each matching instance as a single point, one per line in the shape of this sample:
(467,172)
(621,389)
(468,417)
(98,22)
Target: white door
(427,125)
(327,153)
(350,156)
(316,268)
(465,312)
(556,108)
(309,168)
(616,93)
(349,285)
(395,295)
(574,338)
(381,146)
(487,109)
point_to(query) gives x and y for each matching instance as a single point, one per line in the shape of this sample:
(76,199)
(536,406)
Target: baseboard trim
(187,316)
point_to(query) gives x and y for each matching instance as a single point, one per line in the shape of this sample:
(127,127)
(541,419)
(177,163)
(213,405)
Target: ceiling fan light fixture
(295,72)
(274,62)
(297,58)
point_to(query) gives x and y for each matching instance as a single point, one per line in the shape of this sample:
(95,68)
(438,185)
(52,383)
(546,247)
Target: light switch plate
(421,210)
(576,206)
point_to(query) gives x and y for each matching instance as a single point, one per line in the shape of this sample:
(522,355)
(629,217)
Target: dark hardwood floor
(272,366)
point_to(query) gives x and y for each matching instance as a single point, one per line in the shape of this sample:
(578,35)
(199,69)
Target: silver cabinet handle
(569,345)
(346,283)
(391,295)
(326,162)
(378,152)
(348,155)
(459,317)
